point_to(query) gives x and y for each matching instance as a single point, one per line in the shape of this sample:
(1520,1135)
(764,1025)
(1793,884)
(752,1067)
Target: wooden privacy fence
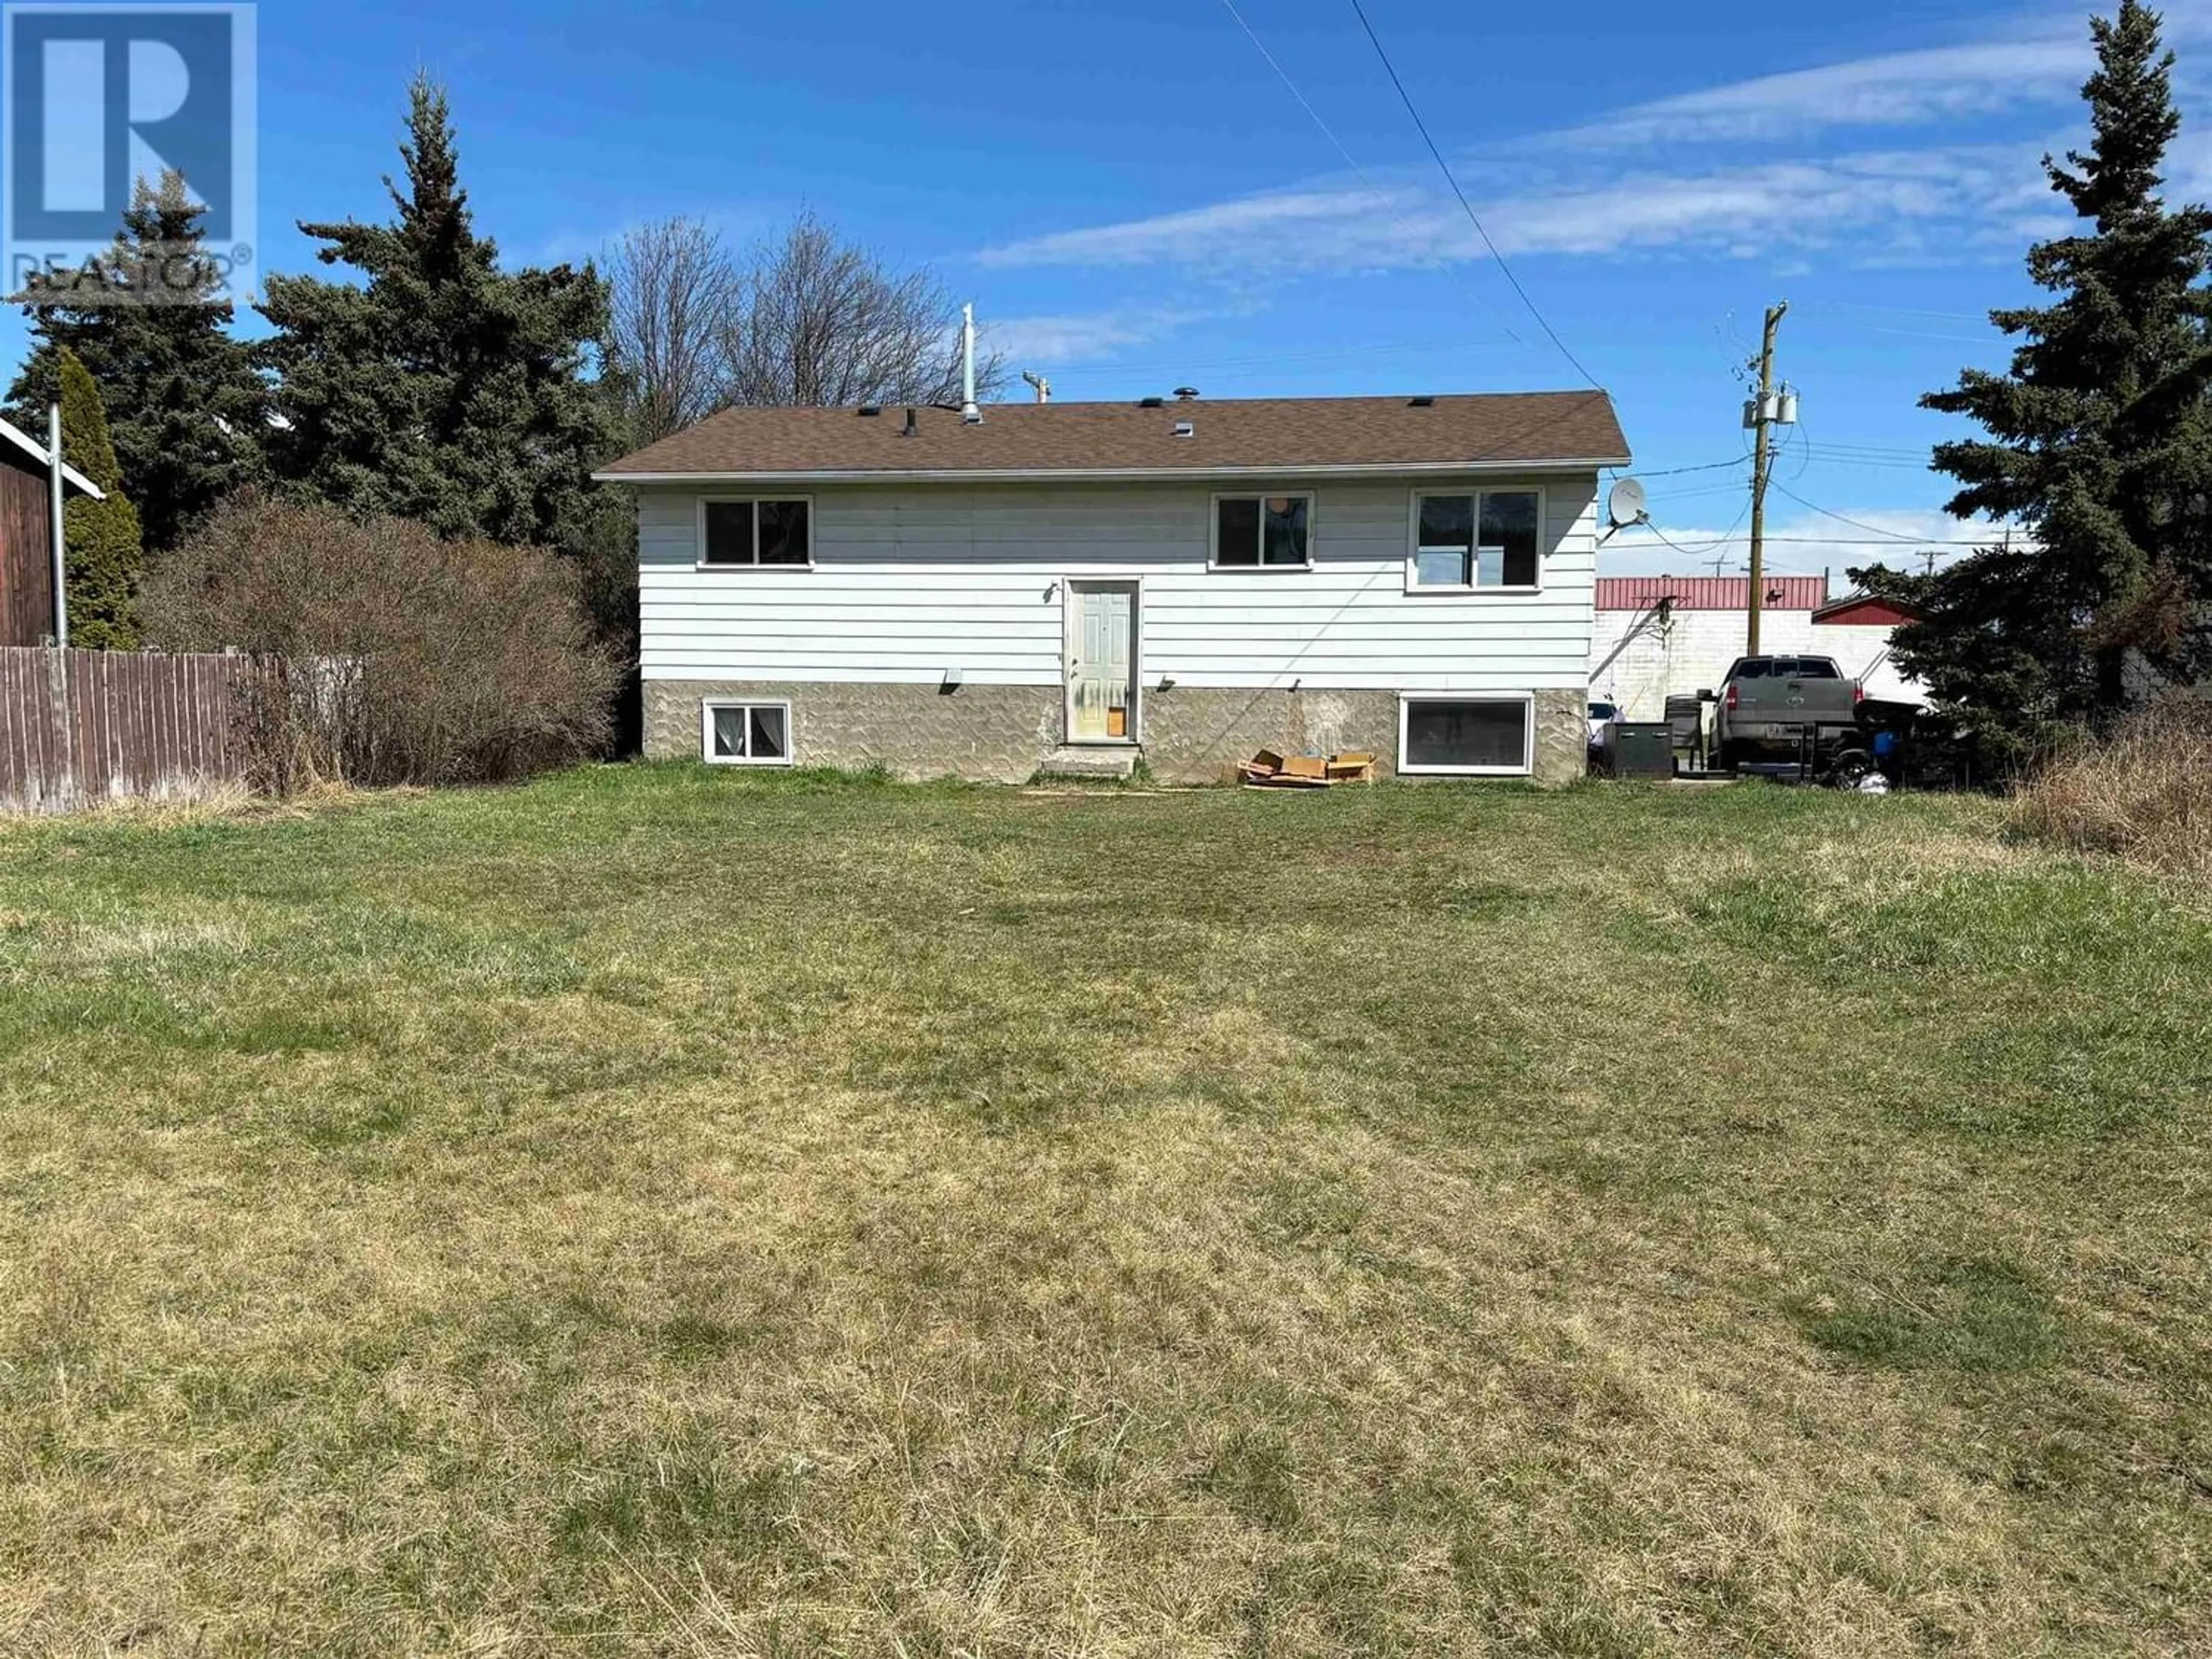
(80,728)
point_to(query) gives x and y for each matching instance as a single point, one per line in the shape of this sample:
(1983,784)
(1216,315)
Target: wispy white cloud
(1080,337)
(1764,207)
(1202,235)
(1750,169)
(1907,88)
(2040,64)
(2188,165)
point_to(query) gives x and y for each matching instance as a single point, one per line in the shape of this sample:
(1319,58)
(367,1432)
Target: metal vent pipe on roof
(968,412)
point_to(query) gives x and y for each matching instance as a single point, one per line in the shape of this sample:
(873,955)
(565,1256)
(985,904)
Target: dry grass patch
(664,1212)
(2145,795)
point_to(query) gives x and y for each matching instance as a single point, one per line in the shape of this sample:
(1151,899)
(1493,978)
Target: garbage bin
(1685,717)
(1641,749)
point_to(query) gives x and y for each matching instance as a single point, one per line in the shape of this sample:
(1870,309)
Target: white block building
(1663,637)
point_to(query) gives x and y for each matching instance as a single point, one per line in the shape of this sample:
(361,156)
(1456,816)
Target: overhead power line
(1901,311)
(1851,541)
(1342,149)
(1822,458)
(1705,466)
(1860,457)
(1697,552)
(1703,547)
(1856,523)
(1872,457)
(1474,218)
(1305,103)
(1733,487)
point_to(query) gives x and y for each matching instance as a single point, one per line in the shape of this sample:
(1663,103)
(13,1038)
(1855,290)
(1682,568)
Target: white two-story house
(1036,586)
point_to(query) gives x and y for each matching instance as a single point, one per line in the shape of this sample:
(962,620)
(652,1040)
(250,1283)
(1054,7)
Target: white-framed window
(1263,533)
(1467,733)
(1470,541)
(735,731)
(751,532)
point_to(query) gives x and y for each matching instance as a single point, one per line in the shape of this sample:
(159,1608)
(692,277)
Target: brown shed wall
(26,583)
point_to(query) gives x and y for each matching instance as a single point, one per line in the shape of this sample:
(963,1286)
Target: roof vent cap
(1185,393)
(1185,429)
(871,409)
(1422,402)
(1152,402)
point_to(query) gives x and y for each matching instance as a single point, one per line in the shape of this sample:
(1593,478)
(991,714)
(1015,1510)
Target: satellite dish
(1624,507)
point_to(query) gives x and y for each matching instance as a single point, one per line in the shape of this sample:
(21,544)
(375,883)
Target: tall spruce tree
(441,388)
(186,410)
(101,538)
(2099,444)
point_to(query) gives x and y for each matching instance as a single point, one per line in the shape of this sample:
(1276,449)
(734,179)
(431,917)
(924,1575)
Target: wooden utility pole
(1762,457)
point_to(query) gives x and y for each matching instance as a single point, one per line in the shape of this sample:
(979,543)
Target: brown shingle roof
(1255,434)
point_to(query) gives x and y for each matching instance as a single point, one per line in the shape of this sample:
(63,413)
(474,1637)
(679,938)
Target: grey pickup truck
(1770,706)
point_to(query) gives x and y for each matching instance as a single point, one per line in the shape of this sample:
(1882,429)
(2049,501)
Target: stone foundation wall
(1562,736)
(990,733)
(1004,733)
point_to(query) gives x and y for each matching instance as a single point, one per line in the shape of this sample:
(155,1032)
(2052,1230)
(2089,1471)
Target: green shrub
(101,537)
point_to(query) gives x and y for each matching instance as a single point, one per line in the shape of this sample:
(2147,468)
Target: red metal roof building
(1862,610)
(1709,592)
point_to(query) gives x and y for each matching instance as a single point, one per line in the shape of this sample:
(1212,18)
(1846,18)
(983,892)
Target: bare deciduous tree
(674,291)
(826,322)
(809,319)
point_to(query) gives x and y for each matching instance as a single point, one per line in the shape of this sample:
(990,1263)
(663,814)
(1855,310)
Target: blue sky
(1135,200)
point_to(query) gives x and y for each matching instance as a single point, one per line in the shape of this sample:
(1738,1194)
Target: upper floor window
(1253,532)
(756,532)
(1481,539)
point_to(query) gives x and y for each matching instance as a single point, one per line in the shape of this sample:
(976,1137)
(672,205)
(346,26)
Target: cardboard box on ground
(1269,770)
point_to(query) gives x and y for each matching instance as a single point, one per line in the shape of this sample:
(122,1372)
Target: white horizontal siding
(910,580)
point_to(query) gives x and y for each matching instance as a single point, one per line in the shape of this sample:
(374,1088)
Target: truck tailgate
(1792,701)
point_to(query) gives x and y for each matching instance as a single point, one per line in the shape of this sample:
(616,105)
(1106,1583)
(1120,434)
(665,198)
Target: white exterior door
(1102,662)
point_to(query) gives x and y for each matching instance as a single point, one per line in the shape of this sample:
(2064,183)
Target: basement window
(1263,533)
(1466,736)
(753,534)
(745,733)
(1480,539)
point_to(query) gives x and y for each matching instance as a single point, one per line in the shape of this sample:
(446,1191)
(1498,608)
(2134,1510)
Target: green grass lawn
(665,1212)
